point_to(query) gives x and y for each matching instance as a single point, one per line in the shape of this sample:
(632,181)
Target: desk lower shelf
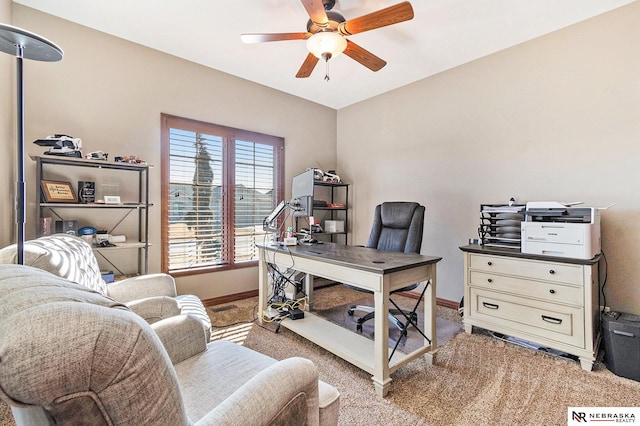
(348,345)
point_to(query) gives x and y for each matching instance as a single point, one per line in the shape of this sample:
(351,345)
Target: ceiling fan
(327,31)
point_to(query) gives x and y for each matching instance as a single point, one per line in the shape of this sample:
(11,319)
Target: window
(218,184)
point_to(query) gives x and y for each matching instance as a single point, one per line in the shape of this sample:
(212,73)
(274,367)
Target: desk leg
(308,288)
(263,285)
(430,316)
(381,379)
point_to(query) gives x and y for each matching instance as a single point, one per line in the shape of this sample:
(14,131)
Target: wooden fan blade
(261,38)
(363,56)
(316,12)
(388,16)
(307,66)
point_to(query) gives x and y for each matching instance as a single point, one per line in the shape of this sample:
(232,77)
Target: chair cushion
(227,367)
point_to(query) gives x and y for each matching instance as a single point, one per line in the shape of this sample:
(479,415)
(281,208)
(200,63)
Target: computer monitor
(302,193)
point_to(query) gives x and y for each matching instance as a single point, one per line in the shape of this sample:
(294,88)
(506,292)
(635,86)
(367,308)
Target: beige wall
(111,92)
(557,118)
(7,135)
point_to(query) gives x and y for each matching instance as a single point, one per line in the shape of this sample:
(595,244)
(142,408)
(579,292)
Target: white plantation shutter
(254,196)
(218,186)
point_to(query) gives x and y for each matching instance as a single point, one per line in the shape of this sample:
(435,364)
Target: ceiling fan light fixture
(326,44)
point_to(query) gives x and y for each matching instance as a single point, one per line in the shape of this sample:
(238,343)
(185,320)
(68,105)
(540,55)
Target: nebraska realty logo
(602,415)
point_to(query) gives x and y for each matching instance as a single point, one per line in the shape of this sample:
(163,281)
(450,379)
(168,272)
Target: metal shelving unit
(332,192)
(139,206)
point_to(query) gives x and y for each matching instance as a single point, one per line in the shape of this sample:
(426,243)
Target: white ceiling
(442,35)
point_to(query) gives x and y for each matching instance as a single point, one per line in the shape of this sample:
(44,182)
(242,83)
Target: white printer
(554,229)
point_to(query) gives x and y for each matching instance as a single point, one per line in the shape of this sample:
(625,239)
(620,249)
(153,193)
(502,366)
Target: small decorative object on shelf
(107,276)
(112,199)
(88,234)
(330,176)
(58,192)
(334,225)
(45,226)
(130,159)
(62,145)
(86,191)
(67,227)
(97,155)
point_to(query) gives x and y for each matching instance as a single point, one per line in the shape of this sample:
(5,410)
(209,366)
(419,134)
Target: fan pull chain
(326,72)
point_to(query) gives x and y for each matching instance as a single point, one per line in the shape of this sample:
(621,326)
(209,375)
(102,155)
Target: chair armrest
(182,336)
(142,287)
(269,395)
(154,309)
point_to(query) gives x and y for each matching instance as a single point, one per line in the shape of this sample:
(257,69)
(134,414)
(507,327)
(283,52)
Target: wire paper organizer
(500,225)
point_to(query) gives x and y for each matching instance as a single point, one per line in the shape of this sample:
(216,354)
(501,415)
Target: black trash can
(622,344)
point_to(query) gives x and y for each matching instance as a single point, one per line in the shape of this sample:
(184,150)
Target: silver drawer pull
(623,333)
(490,305)
(552,320)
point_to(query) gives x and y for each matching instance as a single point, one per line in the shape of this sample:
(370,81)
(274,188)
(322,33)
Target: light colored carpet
(339,315)
(476,379)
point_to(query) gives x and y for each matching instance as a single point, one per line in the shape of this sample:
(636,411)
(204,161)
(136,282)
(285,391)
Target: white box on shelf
(334,226)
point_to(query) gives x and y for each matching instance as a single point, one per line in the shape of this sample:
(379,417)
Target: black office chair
(397,226)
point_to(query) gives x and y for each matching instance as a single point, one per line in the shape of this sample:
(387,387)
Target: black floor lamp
(24,45)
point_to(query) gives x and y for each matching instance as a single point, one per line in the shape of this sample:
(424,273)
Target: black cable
(604,283)
(601,292)
(279,281)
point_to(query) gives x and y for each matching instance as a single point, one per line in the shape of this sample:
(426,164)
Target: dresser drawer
(532,269)
(552,292)
(555,322)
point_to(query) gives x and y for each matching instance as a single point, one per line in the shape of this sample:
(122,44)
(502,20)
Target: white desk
(378,271)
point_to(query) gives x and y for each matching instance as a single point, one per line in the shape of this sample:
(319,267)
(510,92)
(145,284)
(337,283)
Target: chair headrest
(64,255)
(397,214)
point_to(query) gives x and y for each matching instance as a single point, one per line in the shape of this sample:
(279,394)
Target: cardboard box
(334,226)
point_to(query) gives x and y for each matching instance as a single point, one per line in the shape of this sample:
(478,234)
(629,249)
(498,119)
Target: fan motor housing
(328,4)
(334,20)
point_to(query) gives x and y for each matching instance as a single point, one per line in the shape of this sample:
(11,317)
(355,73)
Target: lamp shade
(326,44)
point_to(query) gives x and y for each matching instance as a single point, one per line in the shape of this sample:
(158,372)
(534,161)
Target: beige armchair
(153,296)
(73,356)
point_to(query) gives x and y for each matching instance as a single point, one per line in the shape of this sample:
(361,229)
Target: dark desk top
(367,259)
(509,252)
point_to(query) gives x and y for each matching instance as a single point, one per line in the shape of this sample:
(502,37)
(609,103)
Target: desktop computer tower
(622,344)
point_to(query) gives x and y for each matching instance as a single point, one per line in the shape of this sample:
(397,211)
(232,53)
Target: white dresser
(546,300)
